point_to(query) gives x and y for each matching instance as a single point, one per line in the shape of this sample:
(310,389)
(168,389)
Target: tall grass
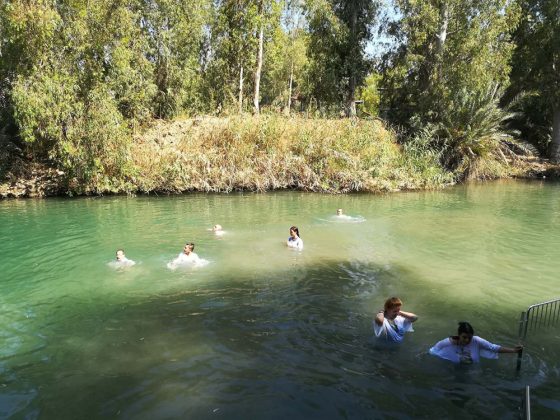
(275,152)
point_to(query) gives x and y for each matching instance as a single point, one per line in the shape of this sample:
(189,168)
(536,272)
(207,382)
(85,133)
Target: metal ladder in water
(539,315)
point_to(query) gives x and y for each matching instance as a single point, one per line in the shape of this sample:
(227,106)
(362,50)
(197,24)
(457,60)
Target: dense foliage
(79,78)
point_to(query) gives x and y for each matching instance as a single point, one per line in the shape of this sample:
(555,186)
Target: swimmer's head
(465,333)
(217,228)
(294,232)
(120,254)
(188,248)
(392,307)
(339,212)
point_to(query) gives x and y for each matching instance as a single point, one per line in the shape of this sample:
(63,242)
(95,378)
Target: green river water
(265,332)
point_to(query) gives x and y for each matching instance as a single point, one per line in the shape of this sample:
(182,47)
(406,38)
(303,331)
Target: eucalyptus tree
(176,33)
(77,71)
(286,57)
(339,31)
(536,68)
(448,50)
(232,47)
(445,46)
(26,31)
(260,48)
(268,19)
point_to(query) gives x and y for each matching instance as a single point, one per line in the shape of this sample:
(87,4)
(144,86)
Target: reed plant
(268,152)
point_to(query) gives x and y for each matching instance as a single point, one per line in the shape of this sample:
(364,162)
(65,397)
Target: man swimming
(188,256)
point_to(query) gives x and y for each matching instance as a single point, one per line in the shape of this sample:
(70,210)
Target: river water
(263,331)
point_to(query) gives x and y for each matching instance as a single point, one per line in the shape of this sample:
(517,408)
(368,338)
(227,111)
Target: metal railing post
(522,330)
(527,403)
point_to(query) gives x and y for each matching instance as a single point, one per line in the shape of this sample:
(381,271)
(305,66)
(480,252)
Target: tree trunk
(441,37)
(554,150)
(241,90)
(351,100)
(289,106)
(256,99)
(443,24)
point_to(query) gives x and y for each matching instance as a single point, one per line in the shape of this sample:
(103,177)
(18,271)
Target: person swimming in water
(187,257)
(344,218)
(294,241)
(467,348)
(218,230)
(341,216)
(392,322)
(121,260)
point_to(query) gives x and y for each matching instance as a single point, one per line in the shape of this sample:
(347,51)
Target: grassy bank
(257,154)
(273,152)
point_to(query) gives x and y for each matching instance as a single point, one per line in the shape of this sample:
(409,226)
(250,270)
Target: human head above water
(465,328)
(295,230)
(217,228)
(189,246)
(465,332)
(119,254)
(339,212)
(392,303)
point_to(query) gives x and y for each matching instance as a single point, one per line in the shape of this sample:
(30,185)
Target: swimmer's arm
(379,318)
(516,349)
(409,316)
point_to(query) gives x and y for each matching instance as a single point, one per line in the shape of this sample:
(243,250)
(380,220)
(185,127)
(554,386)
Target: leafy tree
(452,60)
(446,46)
(176,36)
(69,65)
(369,94)
(231,52)
(339,31)
(537,69)
(286,58)
(268,18)
(26,31)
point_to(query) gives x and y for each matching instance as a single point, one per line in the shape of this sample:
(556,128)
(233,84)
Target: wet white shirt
(295,243)
(471,353)
(183,258)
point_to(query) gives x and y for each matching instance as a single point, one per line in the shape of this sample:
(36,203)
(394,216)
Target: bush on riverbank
(256,154)
(274,152)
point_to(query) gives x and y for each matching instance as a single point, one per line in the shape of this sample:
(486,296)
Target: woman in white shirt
(294,241)
(468,348)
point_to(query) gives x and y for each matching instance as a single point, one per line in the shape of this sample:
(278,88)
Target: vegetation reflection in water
(263,331)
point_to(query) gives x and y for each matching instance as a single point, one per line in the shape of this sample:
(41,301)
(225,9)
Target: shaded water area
(263,331)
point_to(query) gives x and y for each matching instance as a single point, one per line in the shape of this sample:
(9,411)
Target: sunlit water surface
(267,332)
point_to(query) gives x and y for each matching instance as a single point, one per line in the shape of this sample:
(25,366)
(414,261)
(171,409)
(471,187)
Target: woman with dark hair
(465,347)
(294,241)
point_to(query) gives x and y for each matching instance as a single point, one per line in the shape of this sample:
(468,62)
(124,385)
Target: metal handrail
(536,316)
(539,315)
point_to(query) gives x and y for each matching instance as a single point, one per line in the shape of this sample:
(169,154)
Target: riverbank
(258,154)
